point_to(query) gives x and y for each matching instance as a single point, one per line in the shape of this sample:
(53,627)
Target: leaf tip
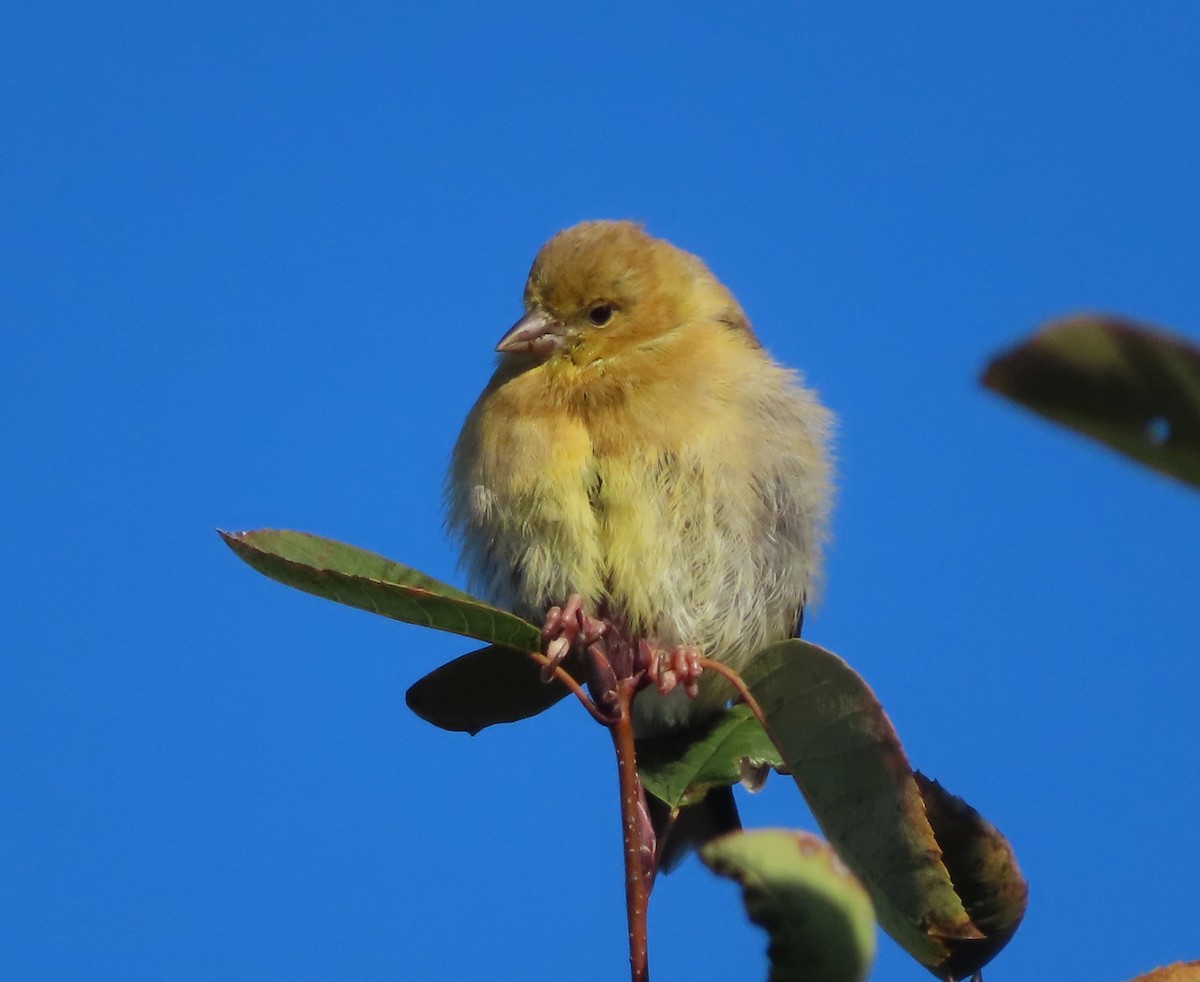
(235,540)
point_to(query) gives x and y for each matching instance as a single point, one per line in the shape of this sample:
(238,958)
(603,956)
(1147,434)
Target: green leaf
(489,686)
(368,581)
(679,769)
(847,761)
(1134,388)
(817,915)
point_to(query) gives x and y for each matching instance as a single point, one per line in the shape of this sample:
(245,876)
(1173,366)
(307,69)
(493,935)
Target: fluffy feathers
(636,445)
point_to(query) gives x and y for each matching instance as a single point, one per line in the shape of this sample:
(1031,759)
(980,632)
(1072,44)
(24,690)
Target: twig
(637,881)
(565,678)
(616,680)
(736,680)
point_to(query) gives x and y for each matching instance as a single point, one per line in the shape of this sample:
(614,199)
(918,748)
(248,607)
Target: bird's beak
(537,333)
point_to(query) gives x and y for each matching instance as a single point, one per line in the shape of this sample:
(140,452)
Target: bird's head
(601,288)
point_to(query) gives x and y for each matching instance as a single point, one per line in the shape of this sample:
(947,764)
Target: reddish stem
(639,875)
(565,678)
(736,681)
(637,882)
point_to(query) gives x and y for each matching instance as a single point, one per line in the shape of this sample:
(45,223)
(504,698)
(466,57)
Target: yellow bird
(639,449)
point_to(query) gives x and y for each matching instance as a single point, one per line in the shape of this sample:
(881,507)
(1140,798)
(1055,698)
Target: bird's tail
(679,833)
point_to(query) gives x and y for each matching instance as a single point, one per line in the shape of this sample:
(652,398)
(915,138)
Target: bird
(638,456)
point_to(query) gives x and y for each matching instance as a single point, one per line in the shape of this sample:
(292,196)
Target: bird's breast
(645,491)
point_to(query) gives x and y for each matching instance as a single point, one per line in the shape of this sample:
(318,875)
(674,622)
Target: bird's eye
(601,314)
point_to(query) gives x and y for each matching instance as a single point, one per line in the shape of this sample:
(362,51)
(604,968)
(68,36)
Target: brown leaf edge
(983,869)
(1179,972)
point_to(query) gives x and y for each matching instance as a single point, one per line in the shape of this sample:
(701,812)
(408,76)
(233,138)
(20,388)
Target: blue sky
(255,259)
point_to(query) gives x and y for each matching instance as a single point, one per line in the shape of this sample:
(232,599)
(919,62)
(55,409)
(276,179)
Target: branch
(638,879)
(736,681)
(565,678)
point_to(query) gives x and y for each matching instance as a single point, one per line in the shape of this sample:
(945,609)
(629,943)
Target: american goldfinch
(638,453)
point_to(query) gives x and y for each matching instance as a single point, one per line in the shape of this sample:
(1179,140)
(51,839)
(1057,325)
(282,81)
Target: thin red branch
(736,680)
(620,679)
(565,678)
(637,879)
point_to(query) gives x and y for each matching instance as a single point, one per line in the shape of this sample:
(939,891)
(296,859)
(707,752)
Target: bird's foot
(568,627)
(667,669)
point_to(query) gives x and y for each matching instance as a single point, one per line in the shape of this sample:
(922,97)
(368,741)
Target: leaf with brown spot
(984,872)
(847,761)
(817,915)
(1132,387)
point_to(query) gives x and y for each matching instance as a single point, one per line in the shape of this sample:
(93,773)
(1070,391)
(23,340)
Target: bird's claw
(568,627)
(667,669)
(570,622)
(556,653)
